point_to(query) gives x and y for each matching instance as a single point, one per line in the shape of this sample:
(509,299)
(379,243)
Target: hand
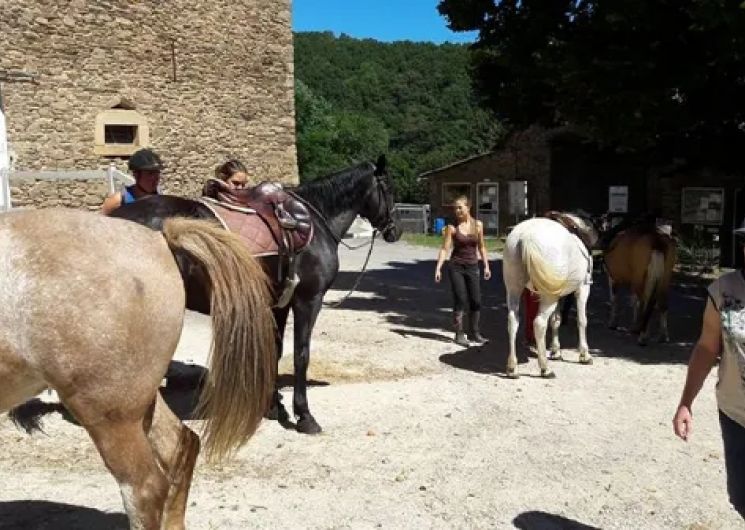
(683,422)
(487,274)
(438,276)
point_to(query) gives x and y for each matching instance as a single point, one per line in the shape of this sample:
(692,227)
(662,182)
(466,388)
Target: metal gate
(413,218)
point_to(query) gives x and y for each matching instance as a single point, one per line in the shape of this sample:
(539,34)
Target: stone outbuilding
(196,81)
(504,186)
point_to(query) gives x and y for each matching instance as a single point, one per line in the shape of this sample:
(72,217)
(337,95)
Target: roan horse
(545,257)
(93,307)
(641,257)
(335,201)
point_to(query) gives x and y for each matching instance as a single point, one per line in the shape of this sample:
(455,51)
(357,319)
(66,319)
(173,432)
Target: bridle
(384,192)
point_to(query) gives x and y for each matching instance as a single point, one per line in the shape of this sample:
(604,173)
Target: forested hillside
(358,98)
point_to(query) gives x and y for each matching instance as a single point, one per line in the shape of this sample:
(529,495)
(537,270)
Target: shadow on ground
(45,515)
(410,299)
(536,520)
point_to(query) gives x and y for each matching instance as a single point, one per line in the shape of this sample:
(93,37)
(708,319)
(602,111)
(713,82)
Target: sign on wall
(518,197)
(702,206)
(618,199)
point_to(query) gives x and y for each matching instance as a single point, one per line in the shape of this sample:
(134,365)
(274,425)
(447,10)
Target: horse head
(380,209)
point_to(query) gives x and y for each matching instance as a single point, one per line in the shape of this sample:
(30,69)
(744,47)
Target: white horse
(545,257)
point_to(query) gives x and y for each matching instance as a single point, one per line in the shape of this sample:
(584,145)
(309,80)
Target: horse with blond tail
(105,356)
(642,257)
(544,256)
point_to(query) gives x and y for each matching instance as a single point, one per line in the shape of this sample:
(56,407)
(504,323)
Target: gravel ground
(419,432)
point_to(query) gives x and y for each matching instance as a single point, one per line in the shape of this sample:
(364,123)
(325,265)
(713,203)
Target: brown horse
(92,307)
(642,258)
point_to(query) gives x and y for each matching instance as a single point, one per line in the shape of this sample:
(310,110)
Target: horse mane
(338,190)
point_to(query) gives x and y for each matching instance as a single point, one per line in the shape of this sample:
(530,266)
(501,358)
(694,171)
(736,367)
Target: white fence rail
(114,178)
(4,190)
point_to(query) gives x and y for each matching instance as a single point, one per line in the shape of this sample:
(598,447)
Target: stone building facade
(198,81)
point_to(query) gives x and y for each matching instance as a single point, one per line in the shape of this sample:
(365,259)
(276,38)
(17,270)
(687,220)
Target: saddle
(269,221)
(567,222)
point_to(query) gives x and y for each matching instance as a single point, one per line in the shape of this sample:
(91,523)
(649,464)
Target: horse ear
(380,165)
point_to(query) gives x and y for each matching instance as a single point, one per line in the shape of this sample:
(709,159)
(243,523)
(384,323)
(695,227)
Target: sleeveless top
(465,248)
(129,197)
(728,295)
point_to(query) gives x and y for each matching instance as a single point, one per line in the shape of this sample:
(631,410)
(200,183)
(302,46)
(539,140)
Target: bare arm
(447,242)
(482,249)
(704,355)
(111,203)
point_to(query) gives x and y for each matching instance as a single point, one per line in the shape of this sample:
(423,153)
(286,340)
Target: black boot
(475,334)
(460,337)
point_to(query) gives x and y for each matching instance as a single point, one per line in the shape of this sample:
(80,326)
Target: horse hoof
(555,356)
(512,374)
(278,413)
(585,360)
(308,425)
(548,374)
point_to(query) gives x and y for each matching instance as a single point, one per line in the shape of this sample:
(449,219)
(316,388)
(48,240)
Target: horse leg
(555,322)
(664,335)
(277,410)
(177,448)
(305,314)
(129,457)
(613,290)
(547,307)
(581,297)
(513,305)
(635,303)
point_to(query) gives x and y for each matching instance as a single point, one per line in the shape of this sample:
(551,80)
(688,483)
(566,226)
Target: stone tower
(197,80)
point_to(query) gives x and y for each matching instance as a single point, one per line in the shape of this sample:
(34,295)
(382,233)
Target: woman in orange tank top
(466,238)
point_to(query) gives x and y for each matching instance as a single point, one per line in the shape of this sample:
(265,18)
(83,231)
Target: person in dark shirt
(466,237)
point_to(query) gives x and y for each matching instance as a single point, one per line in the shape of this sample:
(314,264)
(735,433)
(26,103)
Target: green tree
(658,76)
(414,101)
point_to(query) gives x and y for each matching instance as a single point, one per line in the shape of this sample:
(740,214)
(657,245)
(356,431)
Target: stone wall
(213,79)
(71,193)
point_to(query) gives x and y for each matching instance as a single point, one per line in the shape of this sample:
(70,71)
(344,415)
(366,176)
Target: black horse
(335,202)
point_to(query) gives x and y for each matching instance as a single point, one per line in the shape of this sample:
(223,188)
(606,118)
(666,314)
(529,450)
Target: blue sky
(384,20)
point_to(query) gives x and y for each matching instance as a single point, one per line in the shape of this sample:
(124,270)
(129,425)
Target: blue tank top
(127,195)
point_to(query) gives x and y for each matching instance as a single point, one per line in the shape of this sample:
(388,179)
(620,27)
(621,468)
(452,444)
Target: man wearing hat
(146,166)
(722,337)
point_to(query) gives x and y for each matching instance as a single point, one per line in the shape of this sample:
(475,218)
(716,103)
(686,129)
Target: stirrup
(288,289)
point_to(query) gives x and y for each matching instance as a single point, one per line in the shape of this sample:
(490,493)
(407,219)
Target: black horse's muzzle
(392,232)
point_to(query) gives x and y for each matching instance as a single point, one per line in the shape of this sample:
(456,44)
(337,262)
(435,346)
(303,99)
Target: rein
(339,241)
(359,276)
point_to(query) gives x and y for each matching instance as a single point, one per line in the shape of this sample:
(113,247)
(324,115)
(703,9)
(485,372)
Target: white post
(110,176)
(4,167)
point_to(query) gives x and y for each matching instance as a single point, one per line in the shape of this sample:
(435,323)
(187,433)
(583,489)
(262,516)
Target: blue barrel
(439,225)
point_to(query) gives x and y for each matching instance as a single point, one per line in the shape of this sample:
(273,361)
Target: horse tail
(652,286)
(545,279)
(242,365)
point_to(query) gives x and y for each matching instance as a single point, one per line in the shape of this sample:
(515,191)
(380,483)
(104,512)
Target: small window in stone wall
(453,190)
(120,132)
